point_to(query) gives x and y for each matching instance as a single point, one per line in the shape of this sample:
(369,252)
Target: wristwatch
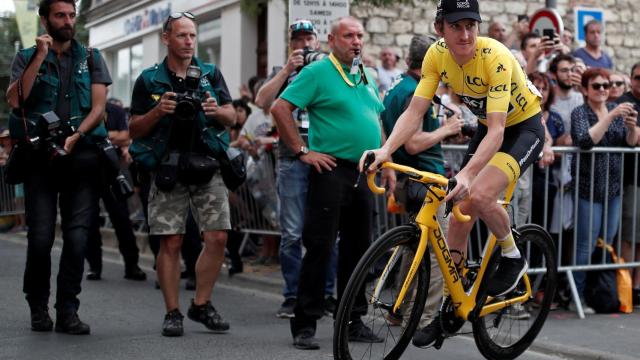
(303,151)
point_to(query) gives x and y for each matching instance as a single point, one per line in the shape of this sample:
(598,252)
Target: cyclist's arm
(407,125)
(489,145)
(423,140)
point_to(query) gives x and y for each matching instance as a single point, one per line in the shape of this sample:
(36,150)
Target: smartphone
(523,17)
(549,33)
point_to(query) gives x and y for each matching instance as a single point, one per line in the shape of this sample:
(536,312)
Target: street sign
(320,12)
(546,19)
(583,16)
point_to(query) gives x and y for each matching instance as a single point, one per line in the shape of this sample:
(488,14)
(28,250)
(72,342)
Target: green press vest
(46,89)
(148,151)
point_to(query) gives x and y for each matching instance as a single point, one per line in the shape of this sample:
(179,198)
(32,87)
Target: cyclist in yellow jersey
(510,135)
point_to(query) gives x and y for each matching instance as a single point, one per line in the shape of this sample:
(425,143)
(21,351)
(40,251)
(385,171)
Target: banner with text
(320,12)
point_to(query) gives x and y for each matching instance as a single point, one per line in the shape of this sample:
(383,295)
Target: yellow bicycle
(393,292)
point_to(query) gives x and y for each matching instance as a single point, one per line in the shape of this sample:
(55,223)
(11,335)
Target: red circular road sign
(546,19)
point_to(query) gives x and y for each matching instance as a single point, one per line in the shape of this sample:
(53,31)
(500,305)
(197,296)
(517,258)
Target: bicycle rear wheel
(507,333)
(381,272)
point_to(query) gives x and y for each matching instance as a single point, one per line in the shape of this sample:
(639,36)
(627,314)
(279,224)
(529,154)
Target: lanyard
(337,65)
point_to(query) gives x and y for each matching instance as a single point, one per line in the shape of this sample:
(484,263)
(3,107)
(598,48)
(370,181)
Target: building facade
(129,35)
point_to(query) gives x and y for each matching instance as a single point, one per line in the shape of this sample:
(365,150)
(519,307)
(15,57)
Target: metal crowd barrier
(250,217)
(10,204)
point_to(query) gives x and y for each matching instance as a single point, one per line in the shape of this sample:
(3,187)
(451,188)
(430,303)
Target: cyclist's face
(460,36)
(346,40)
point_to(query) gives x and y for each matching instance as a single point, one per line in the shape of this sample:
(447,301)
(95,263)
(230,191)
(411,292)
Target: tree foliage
(8,36)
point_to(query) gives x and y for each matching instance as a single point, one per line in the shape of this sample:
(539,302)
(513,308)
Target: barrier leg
(245,239)
(574,294)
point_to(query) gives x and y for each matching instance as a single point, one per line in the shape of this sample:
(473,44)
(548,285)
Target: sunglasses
(302,26)
(176,16)
(598,86)
(636,78)
(617,83)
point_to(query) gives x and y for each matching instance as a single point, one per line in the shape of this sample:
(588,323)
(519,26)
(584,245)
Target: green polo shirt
(343,120)
(395,102)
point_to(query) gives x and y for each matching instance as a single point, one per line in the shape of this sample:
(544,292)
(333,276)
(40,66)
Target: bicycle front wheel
(381,272)
(507,333)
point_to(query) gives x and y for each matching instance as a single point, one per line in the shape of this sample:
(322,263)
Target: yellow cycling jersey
(492,81)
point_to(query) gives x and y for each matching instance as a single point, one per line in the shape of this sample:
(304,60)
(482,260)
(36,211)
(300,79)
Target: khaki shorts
(627,215)
(209,203)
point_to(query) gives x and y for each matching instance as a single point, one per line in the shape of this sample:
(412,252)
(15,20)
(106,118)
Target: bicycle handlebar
(424,177)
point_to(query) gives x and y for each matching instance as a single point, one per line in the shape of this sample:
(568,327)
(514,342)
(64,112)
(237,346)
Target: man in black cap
(510,135)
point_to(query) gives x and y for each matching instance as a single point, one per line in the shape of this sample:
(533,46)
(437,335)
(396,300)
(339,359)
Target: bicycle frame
(431,233)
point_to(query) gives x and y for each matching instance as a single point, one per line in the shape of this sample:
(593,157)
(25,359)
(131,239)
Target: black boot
(134,273)
(40,319)
(71,324)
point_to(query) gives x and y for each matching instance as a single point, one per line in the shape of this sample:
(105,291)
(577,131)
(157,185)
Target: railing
(252,210)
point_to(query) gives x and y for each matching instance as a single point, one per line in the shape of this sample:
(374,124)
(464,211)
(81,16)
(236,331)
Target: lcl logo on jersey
(476,81)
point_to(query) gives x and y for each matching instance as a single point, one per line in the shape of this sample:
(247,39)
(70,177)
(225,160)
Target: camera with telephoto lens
(118,182)
(309,55)
(51,134)
(188,104)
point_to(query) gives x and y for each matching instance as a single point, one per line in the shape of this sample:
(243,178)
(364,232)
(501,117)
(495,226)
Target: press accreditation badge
(355,65)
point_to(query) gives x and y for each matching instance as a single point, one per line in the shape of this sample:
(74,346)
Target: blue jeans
(293,181)
(590,231)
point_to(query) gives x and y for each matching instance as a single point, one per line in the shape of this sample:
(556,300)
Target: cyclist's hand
(319,161)
(381,155)
(547,156)
(388,179)
(461,191)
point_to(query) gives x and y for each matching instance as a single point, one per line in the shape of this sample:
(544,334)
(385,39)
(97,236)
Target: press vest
(149,150)
(46,89)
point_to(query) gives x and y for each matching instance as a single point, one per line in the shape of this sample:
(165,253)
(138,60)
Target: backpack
(601,291)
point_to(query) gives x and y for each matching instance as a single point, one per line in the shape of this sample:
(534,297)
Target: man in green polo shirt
(343,106)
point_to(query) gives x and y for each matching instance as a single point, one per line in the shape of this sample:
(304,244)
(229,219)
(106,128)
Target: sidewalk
(613,336)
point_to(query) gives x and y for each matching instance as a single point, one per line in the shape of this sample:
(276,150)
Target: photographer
(179,112)
(293,173)
(59,157)
(114,199)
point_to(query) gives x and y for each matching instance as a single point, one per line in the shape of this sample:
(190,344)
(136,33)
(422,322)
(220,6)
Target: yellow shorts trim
(507,164)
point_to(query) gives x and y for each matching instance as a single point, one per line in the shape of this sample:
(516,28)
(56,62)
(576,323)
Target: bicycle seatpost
(368,160)
(449,207)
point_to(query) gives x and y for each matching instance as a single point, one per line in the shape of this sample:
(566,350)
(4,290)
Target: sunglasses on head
(301,26)
(598,86)
(176,16)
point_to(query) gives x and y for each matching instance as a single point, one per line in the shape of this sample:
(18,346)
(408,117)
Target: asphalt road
(126,317)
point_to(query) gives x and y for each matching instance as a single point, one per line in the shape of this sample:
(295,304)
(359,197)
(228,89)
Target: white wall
(276,34)
(237,48)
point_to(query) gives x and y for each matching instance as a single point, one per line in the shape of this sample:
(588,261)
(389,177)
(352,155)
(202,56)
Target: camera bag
(232,168)
(196,169)
(167,174)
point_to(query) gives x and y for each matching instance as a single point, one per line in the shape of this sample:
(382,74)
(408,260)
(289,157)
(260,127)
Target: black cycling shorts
(521,146)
